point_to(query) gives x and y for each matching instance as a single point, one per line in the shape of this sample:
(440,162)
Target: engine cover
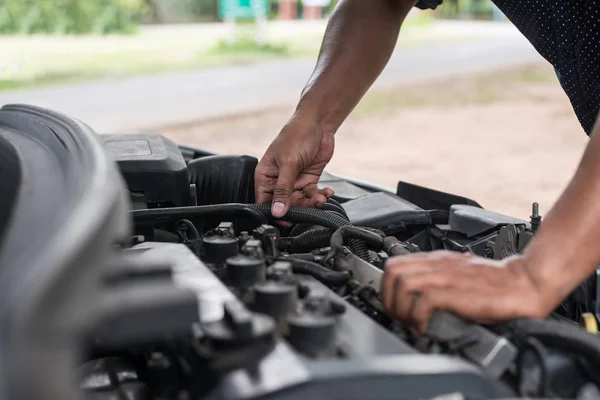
(153,167)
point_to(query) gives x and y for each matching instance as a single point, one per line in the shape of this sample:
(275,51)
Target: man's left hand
(476,288)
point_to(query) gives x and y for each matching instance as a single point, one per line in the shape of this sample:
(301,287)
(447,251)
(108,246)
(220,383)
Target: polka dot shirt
(567,34)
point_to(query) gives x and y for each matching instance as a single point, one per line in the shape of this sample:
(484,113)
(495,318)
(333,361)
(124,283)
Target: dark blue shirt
(567,34)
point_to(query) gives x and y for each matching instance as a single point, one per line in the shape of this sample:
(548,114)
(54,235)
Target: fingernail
(278,209)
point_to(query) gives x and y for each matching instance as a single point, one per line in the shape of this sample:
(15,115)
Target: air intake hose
(307,241)
(314,216)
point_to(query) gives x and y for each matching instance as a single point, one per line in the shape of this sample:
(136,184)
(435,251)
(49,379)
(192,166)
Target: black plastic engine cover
(344,191)
(153,167)
(430,199)
(385,211)
(471,221)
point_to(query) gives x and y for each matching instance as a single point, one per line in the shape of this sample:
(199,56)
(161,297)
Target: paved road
(146,102)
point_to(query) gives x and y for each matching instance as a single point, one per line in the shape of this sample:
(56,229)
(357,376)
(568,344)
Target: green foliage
(70,16)
(249,45)
(175,11)
(466,9)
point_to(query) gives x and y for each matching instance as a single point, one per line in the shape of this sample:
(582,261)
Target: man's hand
(289,171)
(476,288)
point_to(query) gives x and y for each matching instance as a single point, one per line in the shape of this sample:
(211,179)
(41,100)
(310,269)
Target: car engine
(210,298)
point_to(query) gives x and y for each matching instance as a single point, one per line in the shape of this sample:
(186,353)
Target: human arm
(562,254)
(357,44)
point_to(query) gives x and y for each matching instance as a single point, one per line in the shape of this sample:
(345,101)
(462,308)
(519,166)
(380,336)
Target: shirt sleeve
(428,4)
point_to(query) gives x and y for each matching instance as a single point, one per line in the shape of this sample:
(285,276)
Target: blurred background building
(465,105)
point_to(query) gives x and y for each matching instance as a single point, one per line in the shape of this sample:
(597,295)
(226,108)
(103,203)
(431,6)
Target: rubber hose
(352,232)
(317,217)
(191,227)
(176,213)
(307,241)
(319,272)
(332,209)
(565,336)
(394,247)
(333,205)
(306,215)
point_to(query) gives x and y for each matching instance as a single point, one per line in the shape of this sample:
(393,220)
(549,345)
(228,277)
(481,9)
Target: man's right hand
(289,170)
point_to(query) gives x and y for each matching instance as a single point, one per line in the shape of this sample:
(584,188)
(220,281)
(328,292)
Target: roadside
(150,101)
(40,60)
(29,61)
(504,139)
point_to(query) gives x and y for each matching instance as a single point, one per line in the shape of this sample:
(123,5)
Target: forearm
(359,40)
(566,249)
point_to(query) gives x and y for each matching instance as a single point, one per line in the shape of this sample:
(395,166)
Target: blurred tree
(177,11)
(467,9)
(70,16)
(153,12)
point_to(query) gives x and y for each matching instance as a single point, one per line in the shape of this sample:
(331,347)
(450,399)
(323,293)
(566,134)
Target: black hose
(538,350)
(337,204)
(318,217)
(560,335)
(331,209)
(333,205)
(318,272)
(190,227)
(354,232)
(261,212)
(306,215)
(359,247)
(394,247)
(173,213)
(307,241)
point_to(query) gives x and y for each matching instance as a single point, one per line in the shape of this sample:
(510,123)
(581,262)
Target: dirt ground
(505,139)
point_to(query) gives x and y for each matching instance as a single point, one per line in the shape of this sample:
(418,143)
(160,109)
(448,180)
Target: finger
(422,311)
(304,203)
(474,306)
(263,186)
(414,261)
(415,282)
(310,190)
(327,192)
(315,202)
(285,224)
(283,190)
(390,269)
(296,197)
(262,197)
(313,197)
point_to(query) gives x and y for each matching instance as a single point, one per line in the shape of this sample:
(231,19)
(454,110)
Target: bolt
(535,218)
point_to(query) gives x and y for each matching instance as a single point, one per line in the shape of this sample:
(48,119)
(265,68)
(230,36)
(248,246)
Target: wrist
(547,282)
(322,117)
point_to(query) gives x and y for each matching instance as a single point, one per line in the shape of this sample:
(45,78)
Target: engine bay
(210,298)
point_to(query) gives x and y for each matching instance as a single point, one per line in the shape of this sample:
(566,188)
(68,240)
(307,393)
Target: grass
(533,75)
(41,60)
(481,90)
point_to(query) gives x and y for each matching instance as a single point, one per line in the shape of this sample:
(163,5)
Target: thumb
(282,194)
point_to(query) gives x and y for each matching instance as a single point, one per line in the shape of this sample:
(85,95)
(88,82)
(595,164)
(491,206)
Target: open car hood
(133,268)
